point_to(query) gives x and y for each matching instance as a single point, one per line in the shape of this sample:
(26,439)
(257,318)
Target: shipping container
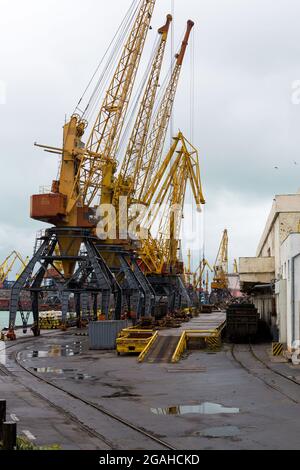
(103,334)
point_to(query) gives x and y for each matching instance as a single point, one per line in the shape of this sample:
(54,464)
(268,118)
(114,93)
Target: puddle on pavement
(83,377)
(48,370)
(74,349)
(203,409)
(54,370)
(223,431)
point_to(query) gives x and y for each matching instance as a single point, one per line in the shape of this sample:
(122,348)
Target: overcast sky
(247,56)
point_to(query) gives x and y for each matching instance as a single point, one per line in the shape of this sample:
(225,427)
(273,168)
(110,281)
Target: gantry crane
(88,178)
(87,173)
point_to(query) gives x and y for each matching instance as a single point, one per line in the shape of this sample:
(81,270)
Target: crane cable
(102,84)
(135,103)
(171,61)
(118,40)
(192,104)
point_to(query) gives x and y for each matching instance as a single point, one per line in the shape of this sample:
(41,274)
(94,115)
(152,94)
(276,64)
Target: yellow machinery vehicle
(132,340)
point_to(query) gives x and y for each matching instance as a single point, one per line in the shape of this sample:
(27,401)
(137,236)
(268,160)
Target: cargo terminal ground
(232,398)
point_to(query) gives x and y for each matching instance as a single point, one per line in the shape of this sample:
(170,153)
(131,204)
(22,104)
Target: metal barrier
(277,349)
(212,339)
(181,347)
(148,347)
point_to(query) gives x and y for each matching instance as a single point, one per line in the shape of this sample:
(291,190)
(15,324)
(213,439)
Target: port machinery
(219,286)
(107,271)
(9,263)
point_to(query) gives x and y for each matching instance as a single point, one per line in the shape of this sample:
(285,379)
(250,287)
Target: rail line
(254,374)
(102,410)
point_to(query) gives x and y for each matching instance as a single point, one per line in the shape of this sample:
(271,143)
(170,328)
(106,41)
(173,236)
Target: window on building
(269,252)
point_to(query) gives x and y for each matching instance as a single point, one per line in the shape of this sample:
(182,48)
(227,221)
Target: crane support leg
(149,299)
(91,277)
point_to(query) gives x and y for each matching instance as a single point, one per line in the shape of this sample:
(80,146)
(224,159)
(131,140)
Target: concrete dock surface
(207,401)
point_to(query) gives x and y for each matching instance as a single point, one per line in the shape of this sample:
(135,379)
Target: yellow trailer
(133,341)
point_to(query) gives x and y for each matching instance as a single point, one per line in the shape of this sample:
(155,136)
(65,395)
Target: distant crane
(8,264)
(198,275)
(219,286)
(235,267)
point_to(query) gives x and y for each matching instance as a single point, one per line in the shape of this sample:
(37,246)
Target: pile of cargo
(50,320)
(242,321)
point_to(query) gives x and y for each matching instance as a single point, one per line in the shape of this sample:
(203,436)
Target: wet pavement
(202,409)
(207,402)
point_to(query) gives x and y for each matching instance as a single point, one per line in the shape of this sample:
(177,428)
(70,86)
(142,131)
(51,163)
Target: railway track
(122,423)
(267,371)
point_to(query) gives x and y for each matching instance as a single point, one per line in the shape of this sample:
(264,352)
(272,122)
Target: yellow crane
(105,135)
(88,178)
(160,254)
(219,286)
(156,138)
(198,275)
(235,267)
(88,170)
(129,174)
(8,264)
(188,269)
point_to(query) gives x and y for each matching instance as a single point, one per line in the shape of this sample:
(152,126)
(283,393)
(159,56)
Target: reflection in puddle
(84,377)
(48,370)
(58,351)
(224,431)
(52,370)
(3,359)
(203,409)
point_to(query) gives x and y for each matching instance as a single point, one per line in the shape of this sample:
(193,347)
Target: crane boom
(129,174)
(161,253)
(156,139)
(221,264)
(92,177)
(8,264)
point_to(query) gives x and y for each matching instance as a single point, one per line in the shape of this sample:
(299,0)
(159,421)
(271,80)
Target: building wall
(266,308)
(256,270)
(289,298)
(281,308)
(283,225)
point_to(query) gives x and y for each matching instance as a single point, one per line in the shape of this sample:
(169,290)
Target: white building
(264,276)
(288,291)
